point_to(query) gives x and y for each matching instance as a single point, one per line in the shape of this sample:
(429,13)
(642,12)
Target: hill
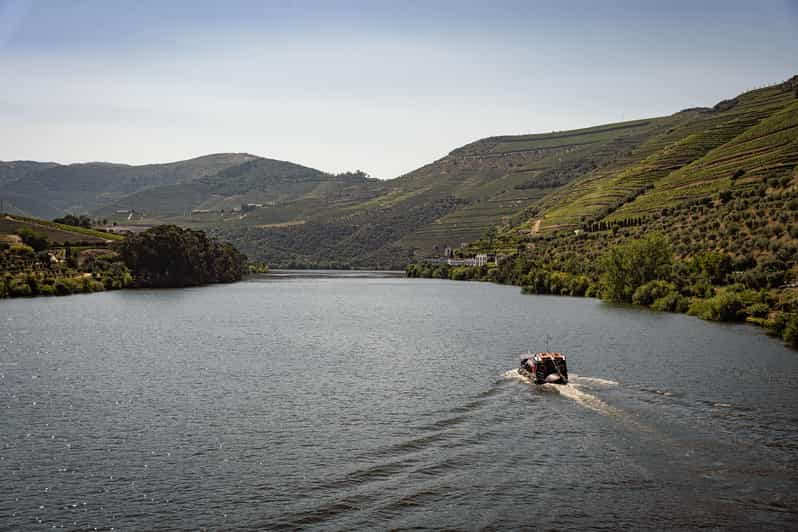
(520,187)
(48,189)
(257,181)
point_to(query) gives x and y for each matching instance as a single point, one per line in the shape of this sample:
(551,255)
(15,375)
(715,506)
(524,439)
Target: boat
(544,368)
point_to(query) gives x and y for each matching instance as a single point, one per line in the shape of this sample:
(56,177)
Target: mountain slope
(11,171)
(601,192)
(543,183)
(84,187)
(522,186)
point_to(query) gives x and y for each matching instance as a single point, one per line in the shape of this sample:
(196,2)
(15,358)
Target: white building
(461,262)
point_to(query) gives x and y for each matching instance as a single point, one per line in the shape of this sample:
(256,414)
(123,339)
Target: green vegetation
(75,221)
(632,269)
(56,233)
(50,190)
(34,239)
(168,256)
(33,265)
(732,257)
(596,179)
(25,272)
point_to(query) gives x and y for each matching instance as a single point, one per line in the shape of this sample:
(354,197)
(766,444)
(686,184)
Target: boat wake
(593,380)
(513,374)
(572,391)
(587,400)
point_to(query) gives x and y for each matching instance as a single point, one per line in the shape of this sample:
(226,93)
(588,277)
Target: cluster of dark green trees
(168,256)
(164,256)
(76,221)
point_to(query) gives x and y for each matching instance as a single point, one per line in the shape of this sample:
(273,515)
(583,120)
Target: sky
(382,86)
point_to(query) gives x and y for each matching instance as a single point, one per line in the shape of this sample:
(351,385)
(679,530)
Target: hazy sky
(381,86)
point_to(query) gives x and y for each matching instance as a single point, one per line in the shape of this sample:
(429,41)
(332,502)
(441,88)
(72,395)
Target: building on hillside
(127,229)
(481,259)
(461,262)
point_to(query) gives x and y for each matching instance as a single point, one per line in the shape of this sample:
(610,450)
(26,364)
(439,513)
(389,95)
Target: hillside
(255,181)
(521,187)
(55,233)
(662,171)
(47,190)
(456,199)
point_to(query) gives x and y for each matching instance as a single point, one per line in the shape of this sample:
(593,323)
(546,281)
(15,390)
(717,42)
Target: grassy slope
(56,233)
(530,183)
(546,182)
(81,188)
(497,179)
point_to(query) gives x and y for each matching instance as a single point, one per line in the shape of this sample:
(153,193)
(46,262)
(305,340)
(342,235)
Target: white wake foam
(513,374)
(592,380)
(585,399)
(570,391)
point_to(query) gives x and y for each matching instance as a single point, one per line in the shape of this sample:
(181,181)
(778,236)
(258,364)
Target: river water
(358,402)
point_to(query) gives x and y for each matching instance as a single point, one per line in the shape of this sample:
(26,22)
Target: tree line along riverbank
(645,271)
(39,259)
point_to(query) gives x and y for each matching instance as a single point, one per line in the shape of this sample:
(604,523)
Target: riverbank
(31,264)
(644,272)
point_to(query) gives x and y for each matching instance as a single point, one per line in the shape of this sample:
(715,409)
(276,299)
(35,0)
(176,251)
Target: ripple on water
(282,405)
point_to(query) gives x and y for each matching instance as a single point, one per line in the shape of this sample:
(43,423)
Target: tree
(714,267)
(168,256)
(34,239)
(632,264)
(76,221)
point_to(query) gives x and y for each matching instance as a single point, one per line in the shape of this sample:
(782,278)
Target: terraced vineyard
(55,233)
(765,151)
(638,177)
(523,186)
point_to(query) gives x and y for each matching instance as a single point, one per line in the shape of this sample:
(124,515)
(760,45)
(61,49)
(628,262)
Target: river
(374,402)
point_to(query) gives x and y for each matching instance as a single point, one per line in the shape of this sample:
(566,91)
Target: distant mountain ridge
(84,187)
(529,184)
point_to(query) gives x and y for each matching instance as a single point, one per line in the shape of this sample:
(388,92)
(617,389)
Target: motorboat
(544,368)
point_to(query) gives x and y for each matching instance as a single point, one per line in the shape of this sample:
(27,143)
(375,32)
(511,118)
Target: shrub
(19,288)
(652,290)
(758,310)
(46,290)
(790,332)
(441,272)
(671,302)
(724,306)
(64,286)
(89,285)
(34,239)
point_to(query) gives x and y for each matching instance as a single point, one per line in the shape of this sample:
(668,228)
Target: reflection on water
(365,401)
(328,274)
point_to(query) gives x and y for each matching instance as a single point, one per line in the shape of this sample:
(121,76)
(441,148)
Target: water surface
(358,403)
